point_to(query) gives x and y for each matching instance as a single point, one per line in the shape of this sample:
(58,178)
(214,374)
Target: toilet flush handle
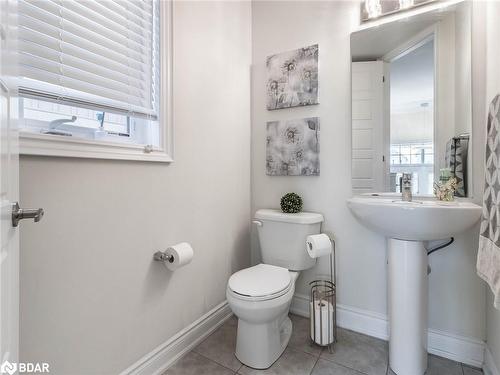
(257,222)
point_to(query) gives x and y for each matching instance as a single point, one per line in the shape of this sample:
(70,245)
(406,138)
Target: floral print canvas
(293,147)
(292,78)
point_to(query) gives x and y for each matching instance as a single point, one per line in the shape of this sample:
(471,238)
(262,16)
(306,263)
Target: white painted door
(368,159)
(9,191)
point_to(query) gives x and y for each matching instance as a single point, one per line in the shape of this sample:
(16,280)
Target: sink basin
(419,220)
(408,225)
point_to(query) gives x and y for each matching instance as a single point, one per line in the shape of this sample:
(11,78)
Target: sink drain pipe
(430,251)
(439,247)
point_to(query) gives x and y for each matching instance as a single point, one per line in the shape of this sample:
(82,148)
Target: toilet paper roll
(318,245)
(322,323)
(182,254)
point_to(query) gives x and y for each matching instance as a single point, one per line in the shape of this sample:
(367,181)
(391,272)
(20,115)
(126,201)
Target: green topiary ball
(291,203)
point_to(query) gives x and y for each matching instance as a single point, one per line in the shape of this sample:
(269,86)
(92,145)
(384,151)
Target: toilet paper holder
(162,256)
(175,256)
(323,306)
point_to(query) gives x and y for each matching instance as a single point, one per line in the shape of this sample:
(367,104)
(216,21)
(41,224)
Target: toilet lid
(261,280)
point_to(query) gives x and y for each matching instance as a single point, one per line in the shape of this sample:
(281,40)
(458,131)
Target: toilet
(260,296)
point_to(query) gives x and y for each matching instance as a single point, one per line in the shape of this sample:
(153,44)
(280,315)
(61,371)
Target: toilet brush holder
(323,308)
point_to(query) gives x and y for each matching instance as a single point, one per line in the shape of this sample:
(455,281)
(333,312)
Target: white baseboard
(162,357)
(362,321)
(458,348)
(489,368)
(462,349)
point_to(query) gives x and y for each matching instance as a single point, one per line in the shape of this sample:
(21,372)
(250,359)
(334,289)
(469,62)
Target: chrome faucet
(406,187)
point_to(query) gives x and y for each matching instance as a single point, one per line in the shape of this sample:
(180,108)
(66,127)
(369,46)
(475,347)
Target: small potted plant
(291,203)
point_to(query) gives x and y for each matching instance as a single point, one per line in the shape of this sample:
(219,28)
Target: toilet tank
(282,237)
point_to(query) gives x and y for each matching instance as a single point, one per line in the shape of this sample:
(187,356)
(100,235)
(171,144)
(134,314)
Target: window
(412,154)
(414,158)
(91,77)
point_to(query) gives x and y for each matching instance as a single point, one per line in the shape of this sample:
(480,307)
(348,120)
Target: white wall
(92,299)
(456,295)
(454,112)
(443,101)
(462,68)
(493,330)
(492,56)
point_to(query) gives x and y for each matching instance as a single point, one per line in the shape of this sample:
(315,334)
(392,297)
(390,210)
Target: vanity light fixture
(404,4)
(371,9)
(391,10)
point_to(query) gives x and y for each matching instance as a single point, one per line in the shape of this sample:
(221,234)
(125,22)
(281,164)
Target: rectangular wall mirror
(411,102)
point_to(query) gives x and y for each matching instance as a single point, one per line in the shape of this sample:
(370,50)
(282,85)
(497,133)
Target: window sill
(60,146)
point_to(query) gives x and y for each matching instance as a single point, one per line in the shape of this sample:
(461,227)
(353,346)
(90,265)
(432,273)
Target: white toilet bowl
(260,297)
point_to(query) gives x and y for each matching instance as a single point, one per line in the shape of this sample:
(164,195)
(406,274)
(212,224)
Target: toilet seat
(260,282)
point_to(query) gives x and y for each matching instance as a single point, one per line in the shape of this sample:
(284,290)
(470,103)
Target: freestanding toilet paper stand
(323,307)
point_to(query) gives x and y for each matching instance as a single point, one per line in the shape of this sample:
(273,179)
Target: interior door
(368,160)
(9,191)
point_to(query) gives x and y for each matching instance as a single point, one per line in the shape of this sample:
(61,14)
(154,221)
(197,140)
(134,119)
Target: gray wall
(92,299)
(456,294)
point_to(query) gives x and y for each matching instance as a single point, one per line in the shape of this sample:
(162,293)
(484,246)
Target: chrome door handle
(19,214)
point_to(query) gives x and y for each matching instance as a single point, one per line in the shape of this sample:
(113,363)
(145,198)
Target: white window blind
(96,54)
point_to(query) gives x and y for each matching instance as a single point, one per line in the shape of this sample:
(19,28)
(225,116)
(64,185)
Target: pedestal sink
(407,225)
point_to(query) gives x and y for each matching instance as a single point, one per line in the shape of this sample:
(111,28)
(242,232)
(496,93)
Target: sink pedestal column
(408,294)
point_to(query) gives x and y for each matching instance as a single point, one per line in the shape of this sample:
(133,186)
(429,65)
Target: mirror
(411,102)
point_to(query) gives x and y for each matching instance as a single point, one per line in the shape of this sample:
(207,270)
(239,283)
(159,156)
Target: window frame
(55,145)
(410,155)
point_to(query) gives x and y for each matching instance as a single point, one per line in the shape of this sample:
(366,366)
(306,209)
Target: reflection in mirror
(411,102)
(412,117)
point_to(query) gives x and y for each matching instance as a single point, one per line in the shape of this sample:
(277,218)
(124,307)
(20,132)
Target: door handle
(19,214)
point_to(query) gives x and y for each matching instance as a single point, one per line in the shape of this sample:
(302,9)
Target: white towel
(488,258)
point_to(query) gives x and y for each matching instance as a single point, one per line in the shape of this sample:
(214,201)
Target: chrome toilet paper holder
(162,256)
(175,256)
(324,293)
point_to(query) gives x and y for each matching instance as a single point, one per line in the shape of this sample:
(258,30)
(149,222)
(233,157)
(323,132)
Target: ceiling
(412,95)
(412,78)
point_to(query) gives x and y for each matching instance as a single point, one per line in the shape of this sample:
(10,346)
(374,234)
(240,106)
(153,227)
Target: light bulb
(373,8)
(403,4)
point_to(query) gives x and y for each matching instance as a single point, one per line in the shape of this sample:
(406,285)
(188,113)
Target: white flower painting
(293,147)
(292,78)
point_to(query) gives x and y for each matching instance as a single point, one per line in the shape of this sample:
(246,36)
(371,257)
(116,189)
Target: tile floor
(354,354)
